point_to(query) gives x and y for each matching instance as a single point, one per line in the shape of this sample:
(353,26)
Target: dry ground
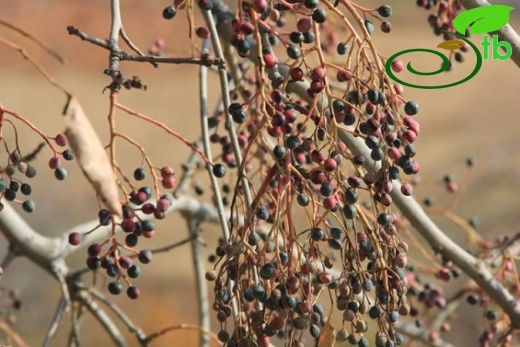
(478,118)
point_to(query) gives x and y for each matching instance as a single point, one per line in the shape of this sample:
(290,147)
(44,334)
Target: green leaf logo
(484,19)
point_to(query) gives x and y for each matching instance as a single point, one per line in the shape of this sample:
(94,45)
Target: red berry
(247,28)
(317,86)
(319,73)
(304,25)
(202,33)
(270,61)
(330,203)
(148,208)
(168,183)
(296,73)
(167,171)
(61,140)
(75,238)
(235,25)
(330,165)
(127,225)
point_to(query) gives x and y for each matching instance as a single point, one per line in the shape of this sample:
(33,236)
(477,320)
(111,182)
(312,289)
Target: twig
(85,37)
(181,327)
(129,42)
(224,86)
(8,259)
(204,60)
(207,151)
(138,332)
(169,247)
(184,204)
(86,299)
(113,39)
(55,323)
(34,63)
(202,289)
(33,38)
(13,334)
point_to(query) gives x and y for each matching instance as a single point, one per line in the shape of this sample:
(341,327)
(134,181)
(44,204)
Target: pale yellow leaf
(91,155)
(328,336)
(451,45)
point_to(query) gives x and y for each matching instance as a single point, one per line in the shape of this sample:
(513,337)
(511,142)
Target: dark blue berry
(139,174)
(411,108)
(319,15)
(385,11)
(133,292)
(294,52)
(145,256)
(115,288)
(68,155)
(169,12)
(60,173)
(28,206)
(219,170)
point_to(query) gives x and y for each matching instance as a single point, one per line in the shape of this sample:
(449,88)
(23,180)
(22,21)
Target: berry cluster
(14,188)
(351,246)
(116,260)
(441,18)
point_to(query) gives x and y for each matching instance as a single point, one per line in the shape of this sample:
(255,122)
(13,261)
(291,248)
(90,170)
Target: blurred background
(479,118)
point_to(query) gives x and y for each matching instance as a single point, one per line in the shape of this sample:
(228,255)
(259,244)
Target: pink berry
(168,183)
(330,203)
(296,73)
(259,6)
(270,61)
(319,73)
(407,189)
(398,88)
(54,163)
(160,43)
(61,140)
(397,65)
(167,171)
(409,136)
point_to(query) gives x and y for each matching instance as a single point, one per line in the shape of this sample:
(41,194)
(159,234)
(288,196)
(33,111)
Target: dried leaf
(327,336)
(451,45)
(91,155)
